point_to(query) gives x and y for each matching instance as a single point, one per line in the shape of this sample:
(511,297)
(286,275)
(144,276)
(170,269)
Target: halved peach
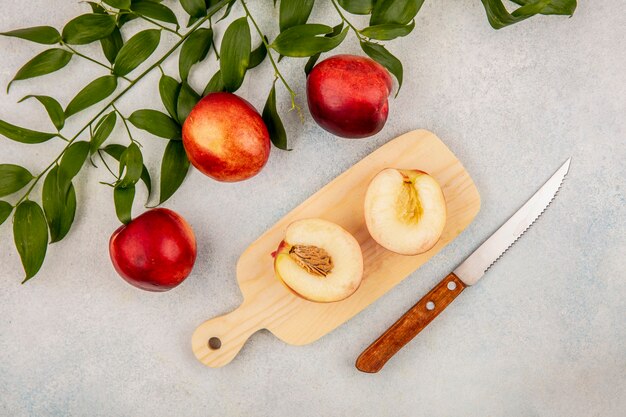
(405,210)
(319,260)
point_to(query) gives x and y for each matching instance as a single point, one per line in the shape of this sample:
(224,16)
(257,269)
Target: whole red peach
(225,138)
(347,95)
(155,251)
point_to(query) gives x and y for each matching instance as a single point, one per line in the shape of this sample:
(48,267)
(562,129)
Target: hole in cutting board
(215,343)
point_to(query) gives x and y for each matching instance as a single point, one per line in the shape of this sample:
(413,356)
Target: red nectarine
(347,95)
(225,138)
(155,251)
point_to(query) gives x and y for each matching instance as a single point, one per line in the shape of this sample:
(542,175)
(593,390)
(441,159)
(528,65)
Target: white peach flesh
(319,260)
(405,211)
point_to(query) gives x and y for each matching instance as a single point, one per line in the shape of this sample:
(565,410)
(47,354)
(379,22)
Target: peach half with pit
(319,261)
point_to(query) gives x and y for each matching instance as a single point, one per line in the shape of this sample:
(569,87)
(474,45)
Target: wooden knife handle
(410,324)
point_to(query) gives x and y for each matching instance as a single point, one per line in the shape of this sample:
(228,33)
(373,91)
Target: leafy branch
(32,252)
(277,72)
(36,225)
(110,103)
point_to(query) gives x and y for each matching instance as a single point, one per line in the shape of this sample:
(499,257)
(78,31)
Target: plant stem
(106,165)
(75,52)
(346,21)
(117,97)
(269,54)
(147,19)
(213,45)
(124,121)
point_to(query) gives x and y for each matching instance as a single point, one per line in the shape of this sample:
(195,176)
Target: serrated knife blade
(475,266)
(466,274)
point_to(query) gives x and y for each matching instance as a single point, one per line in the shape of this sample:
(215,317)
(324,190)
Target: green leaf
(212,3)
(103,131)
(311,63)
(96,8)
(294,12)
(305,40)
(169,89)
(214,6)
(195,8)
(381,55)
(46,35)
(46,62)
(74,158)
(112,44)
(187,99)
(95,91)
(59,203)
(395,11)
(153,10)
(123,199)
(387,31)
(357,6)
(135,51)
(231,3)
(215,84)
(23,135)
(194,50)
(313,59)
(118,4)
(557,7)
(13,178)
(124,18)
(5,211)
(145,178)
(257,55)
(30,233)
(116,151)
(235,54)
(157,123)
(499,16)
(53,108)
(174,168)
(272,121)
(88,28)
(192,20)
(131,164)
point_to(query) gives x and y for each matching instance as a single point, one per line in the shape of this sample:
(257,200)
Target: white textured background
(544,334)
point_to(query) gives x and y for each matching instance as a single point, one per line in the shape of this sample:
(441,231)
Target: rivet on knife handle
(410,324)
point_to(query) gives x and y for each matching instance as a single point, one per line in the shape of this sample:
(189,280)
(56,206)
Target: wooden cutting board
(268,304)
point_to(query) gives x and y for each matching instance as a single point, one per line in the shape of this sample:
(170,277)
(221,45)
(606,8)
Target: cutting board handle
(217,341)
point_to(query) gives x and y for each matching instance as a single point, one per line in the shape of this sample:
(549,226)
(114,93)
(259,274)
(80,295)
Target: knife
(466,274)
